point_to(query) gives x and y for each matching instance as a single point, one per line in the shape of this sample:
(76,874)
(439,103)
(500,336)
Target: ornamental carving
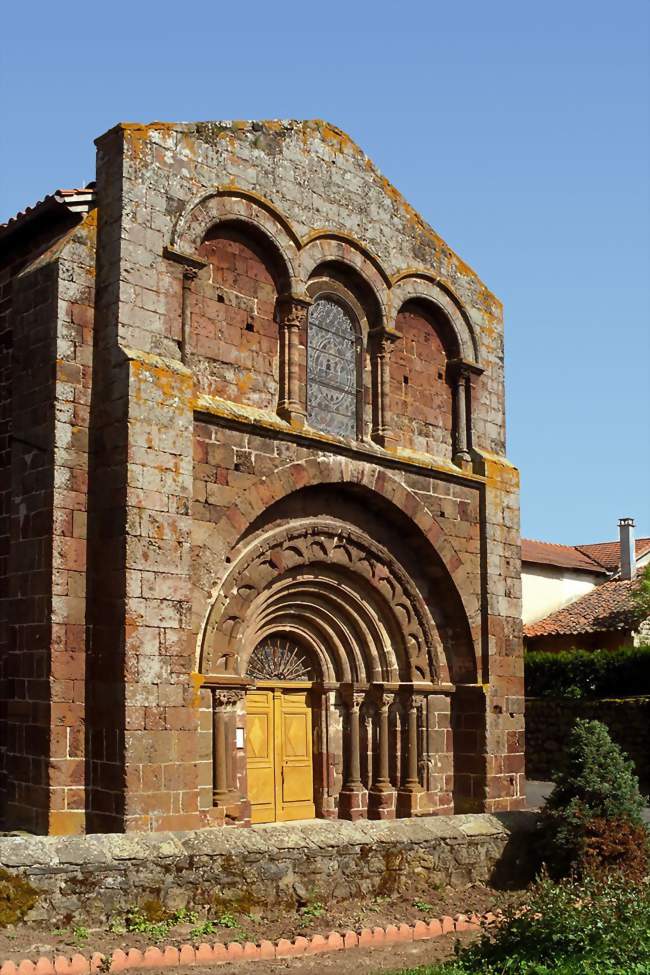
(277,658)
(332,589)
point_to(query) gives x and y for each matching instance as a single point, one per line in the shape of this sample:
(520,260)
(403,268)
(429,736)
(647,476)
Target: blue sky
(519,131)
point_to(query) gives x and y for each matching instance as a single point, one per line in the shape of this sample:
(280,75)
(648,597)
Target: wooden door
(260,755)
(279,755)
(295,784)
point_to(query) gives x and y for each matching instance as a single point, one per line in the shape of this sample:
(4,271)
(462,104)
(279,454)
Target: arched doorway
(323,654)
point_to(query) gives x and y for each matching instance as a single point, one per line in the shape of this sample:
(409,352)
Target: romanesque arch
(412,285)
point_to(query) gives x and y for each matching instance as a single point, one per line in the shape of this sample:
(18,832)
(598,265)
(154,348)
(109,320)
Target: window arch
(333,364)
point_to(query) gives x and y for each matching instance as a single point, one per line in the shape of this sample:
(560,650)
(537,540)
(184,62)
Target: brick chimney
(628,553)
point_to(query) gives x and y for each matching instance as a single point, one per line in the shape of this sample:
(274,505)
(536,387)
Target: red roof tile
(608,554)
(607,607)
(567,556)
(76,200)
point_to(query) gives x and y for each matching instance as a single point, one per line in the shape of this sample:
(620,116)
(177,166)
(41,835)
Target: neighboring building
(581,596)
(260,538)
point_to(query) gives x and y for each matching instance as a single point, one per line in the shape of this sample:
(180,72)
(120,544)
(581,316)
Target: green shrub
(588,927)
(588,673)
(596,782)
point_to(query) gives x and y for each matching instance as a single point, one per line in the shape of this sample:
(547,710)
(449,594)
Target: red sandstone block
(350,939)
(26,967)
(62,964)
(267,950)
(378,936)
(447,924)
(435,928)
(220,952)
(334,941)
(133,958)
(405,932)
(365,938)
(118,962)
(187,955)
(301,944)
(392,934)
(43,966)
(79,965)
(461,923)
(152,958)
(234,951)
(96,962)
(421,931)
(8,968)
(317,944)
(170,956)
(283,948)
(204,954)
(251,951)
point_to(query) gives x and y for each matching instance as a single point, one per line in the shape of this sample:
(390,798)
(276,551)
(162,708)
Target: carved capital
(292,311)
(382,340)
(226,698)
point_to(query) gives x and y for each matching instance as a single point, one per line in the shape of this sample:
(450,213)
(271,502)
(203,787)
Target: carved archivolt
(334,591)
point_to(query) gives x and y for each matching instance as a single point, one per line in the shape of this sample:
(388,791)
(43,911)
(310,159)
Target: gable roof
(607,607)
(566,556)
(79,200)
(608,554)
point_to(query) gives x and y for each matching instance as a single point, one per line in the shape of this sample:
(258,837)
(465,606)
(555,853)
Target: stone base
(381,803)
(353,804)
(412,802)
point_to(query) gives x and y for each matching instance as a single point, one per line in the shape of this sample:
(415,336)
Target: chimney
(628,553)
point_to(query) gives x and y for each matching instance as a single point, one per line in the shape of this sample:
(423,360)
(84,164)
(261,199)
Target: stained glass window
(331,369)
(278,658)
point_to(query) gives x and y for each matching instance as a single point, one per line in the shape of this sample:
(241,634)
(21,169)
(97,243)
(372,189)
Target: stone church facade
(260,539)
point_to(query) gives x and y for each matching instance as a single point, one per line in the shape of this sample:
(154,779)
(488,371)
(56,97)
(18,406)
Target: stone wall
(549,720)
(91,879)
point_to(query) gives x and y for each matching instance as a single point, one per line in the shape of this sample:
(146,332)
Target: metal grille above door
(332,352)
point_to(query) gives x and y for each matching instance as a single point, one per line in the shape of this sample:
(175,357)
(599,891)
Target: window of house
(333,346)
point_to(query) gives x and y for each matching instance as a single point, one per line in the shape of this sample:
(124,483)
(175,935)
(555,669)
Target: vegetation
(641,596)
(596,794)
(590,926)
(17,897)
(588,673)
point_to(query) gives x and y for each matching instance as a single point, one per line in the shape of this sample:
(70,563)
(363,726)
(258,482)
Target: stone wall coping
(102,848)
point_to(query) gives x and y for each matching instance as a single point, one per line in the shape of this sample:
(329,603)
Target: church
(260,548)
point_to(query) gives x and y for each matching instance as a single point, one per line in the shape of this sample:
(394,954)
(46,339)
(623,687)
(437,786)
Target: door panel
(297,780)
(279,755)
(260,756)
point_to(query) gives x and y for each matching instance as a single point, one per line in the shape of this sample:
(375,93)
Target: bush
(611,845)
(596,782)
(588,673)
(579,927)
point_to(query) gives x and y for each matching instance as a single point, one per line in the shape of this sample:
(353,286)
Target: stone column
(381,798)
(461,452)
(353,797)
(381,345)
(189,275)
(410,792)
(224,703)
(292,319)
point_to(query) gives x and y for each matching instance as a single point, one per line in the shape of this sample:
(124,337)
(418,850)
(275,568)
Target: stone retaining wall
(93,878)
(549,721)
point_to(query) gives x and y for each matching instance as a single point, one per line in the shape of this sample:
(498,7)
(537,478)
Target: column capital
(292,309)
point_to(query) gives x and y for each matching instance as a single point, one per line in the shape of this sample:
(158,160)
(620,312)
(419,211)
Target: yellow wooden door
(295,785)
(260,755)
(279,755)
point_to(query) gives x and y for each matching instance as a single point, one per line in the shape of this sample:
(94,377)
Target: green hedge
(588,673)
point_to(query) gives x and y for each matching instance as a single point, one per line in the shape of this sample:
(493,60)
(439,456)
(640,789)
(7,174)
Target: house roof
(566,556)
(608,554)
(79,200)
(607,607)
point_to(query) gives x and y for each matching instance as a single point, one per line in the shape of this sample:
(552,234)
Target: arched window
(333,350)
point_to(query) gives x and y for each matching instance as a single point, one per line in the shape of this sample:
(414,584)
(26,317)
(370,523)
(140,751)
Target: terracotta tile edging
(217,953)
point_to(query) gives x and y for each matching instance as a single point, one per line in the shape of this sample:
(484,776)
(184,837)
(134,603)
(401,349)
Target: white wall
(545,588)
